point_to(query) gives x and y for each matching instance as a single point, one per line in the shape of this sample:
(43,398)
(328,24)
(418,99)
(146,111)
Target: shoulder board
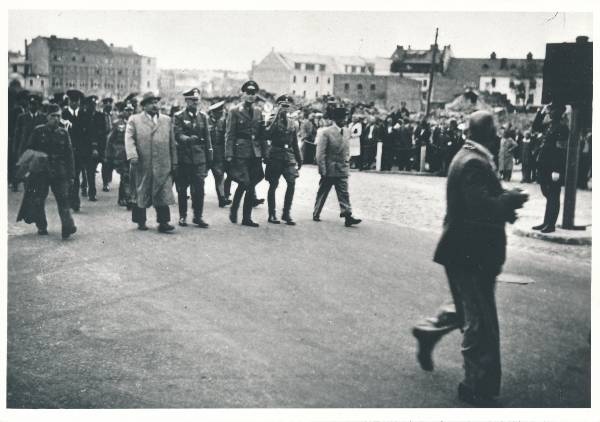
(179,113)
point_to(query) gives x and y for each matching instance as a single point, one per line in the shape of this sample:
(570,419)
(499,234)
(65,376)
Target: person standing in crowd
(216,121)
(25,124)
(333,154)
(527,148)
(105,128)
(54,141)
(585,159)
(472,249)
(390,133)
(194,156)
(422,135)
(434,149)
(115,155)
(551,161)
(369,140)
(77,124)
(506,155)
(244,148)
(452,144)
(308,130)
(151,149)
(283,159)
(98,130)
(355,135)
(403,146)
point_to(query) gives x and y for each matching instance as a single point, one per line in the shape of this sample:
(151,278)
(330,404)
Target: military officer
(26,122)
(194,153)
(54,141)
(217,123)
(115,155)
(244,148)
(333,155)
(77,124)
(283,159)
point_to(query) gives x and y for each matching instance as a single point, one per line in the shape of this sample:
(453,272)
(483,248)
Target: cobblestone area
(419,202)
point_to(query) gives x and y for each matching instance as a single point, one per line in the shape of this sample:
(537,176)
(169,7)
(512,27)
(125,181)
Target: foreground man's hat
(75,94)
(147,97)
(192,94)
(285,100)
(250,87)
(216,106)
(53,109)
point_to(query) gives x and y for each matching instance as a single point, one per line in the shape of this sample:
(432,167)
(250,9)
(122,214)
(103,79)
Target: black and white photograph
(333,208)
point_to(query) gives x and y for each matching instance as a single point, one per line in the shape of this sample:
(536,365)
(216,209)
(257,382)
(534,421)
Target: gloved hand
(555,176)
(516,198)
(174,171)
(95,153)
(193,138)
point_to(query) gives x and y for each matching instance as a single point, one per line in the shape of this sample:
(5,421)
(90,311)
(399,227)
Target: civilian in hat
(194,156)
(472,250)
(132,99)
(216,120)
(283,159)
(245,147)
(151,149)
(26,122)
(333,155)
(551,161)
(77,124)
(115,155)
(54,141)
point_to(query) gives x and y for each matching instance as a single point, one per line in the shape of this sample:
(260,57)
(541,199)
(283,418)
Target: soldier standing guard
(333,155)
(54,141)
(115,155)
(194,153)
(282,159)
(244,148)
(217,136)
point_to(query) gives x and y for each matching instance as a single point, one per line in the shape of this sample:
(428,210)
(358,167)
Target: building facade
(91,66)
(305,75)
(381,90)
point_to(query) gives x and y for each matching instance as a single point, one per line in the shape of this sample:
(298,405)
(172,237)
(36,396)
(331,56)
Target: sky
(233,39)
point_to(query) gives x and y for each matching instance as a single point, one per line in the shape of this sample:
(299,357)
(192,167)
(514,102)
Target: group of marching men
(151,151)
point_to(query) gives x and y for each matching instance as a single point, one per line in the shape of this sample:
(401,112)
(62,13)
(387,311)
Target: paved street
(316,315)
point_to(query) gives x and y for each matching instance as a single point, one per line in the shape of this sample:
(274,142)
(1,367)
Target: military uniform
(244,148)
(283,159)
(115,156)
(54,142)
(217,124)
(194,153)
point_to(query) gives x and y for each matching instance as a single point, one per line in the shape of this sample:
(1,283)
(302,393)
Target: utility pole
(431,73)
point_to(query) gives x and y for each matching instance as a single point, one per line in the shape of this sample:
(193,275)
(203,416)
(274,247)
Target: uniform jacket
(551,157)
(244,135)
(505,155)
(56,143)
(192,136)
(25,124)
(217,137)
(115,145)
(284,143)
(476,213)
(333,151)
(79,132)
(307,131)
(153,145)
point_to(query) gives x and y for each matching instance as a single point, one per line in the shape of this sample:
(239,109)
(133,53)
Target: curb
(410,173)
(557,237)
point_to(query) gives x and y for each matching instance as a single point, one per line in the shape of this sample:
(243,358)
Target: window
(304,78)
(148,84)
(309,66)
(304,94)
(149,61)
(493,82)
(83,59)
(42,82)
(297,66)
(346,87)
(322,67)
(120,72)
(359,87)
(31,82)
(363,69)
(317,79)
(328,81)
(14,67)
(373,87)
(55,57)
(74,59)
(424,96)
(294,79)
(353,69)
(316,94)
(294,92)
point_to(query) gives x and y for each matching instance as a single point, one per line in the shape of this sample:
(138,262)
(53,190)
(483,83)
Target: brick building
(91,66)
(382,90)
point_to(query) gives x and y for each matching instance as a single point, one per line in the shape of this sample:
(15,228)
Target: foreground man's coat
(152,143)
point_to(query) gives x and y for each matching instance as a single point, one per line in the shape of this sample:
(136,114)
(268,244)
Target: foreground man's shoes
(548,229)
(43,232)
(200,222)
(106,188)
(350,221)
(288,219)
(249,223)
(258,202)
(182,222)
(315,218)
(467,395)
(426,341)
(68,232)
(165,228)
(539,226)
(143,227)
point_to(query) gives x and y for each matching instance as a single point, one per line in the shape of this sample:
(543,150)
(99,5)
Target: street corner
(562,236)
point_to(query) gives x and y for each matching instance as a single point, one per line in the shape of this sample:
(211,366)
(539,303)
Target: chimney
(52,37)
(112,45)
(75,38)
(529,56)
(582,39)
(26,58)
(503,63)
(493,55)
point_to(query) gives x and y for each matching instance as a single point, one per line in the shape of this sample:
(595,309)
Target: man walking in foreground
(473,249)
(333,155)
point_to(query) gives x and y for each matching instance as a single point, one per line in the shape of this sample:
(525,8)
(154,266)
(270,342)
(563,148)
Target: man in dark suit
(472,249)
(216,120)
(244,148)
(194,156)
(26,122)
(77,124)
(333,160)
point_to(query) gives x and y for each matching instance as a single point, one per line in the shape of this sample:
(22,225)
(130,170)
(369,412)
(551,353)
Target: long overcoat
(333,151)
(153,145)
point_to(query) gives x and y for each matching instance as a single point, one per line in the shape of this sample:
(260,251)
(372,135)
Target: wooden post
(571,170)
(430,87)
